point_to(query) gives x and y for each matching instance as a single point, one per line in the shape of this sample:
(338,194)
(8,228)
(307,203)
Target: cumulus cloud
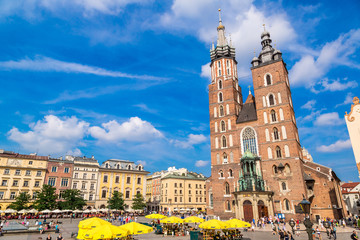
(201,163)
(51,135)
(335,53)
(338,146)
(206,71)
(192,139)
(309,105)
(46,64)
(328,119)
(133,130)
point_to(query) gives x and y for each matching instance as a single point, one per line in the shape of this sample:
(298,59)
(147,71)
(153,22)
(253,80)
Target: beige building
(121,176)
(20,173)
(85,177)
(353,124)
(183,192)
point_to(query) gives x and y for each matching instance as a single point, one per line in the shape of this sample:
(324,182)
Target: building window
(129,167)
(228,206)
(223,141)
(287,205)
(117,166)
(139,181)
(28,173)
(189,199)
(83,186)
(276,133)
(54,169)
(228,67)
(127,194)
(74,185)
(52,181)
(268,80)
(64,182)
(66,170)
(230,173)
(117,179)
(84,176)
(220,84)
(12,195)
(90,197)
(137,192)
(38,173)
(175,191)
(225,158)
(221,174)
(180,186)
(92,186)
(7,171)
(105,178)
(1,195)
(103,193)
(219,68)
(273,115)
(175,199)
(93,176)
(249,140)
(175,184)
(37,184)
(271,100)
(106,165)
(16,183)
(275,169)
(4,183)
(283,186)
(26,183)
(34,195)
(221,111)
(76,175)
(128,180)
(227,188)
(223,127)
(30,162)
(278,152)
(189,185)
(220,97)
(17,172)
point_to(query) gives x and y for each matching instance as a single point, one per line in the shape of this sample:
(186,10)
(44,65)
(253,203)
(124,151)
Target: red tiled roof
(350,185)
(23,156)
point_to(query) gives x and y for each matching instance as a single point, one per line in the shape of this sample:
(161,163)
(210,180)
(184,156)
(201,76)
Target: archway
(248,211)
(262,209)
(102,206)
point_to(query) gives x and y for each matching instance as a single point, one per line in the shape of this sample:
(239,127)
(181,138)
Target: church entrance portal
(248,211)
(262,209)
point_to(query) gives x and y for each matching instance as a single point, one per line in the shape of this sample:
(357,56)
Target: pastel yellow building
(123,176)
(20,173)
(183,192)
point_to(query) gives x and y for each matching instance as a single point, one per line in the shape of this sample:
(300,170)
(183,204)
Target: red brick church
(257,163)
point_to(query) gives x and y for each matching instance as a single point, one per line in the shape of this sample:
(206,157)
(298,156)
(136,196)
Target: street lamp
(292,225)
(305,206)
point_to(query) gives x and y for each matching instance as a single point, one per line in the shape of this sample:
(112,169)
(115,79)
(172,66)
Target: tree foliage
(21,201)
(116,201)
(72,200)
(46,198)
(138,202)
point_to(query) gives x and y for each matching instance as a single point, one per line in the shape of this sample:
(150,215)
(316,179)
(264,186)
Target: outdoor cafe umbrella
(172,220)
(94,210)
(135,228)
(23,211)
(155,216)
(105,232)
(214,224)
(236,223)
(57,211)
(193,219)
(10,211)
(45,211)
(33,211)
(87,211)
(90,223)
(78,211)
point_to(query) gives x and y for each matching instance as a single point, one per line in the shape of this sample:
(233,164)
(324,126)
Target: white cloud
(348,100)
(201,163)
(134,130)
(206,71)
(145,108)
(335,147)
(241,18)
(46,64)
(51,135)
(75,152)
(192,139)
(309,105)
(335,53)
(328,119)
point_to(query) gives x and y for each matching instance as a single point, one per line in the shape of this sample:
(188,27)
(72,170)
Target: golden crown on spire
(220,22)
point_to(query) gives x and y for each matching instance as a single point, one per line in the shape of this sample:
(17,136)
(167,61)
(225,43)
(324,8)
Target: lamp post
(292,225)
(305,206)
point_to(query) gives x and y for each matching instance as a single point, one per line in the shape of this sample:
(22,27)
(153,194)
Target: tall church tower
(225,102)
(278,139)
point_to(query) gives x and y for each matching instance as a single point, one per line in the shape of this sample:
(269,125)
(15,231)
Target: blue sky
(128,79)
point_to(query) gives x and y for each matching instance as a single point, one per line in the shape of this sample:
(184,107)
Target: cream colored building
(353,124)
(183,192)
(122,176)
(85,177)
(20,173)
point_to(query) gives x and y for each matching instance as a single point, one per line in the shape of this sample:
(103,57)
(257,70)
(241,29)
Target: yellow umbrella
(105,232)
(91,223)
(236,223)
(214,224)
(172,220)
(135,228)
(193,219)
(155,216)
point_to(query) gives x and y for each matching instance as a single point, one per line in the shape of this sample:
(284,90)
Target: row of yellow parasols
(97,228)
(211,224)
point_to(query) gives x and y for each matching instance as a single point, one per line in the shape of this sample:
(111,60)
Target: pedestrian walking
(354,236)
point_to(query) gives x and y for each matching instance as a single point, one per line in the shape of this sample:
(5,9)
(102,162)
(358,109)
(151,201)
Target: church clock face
(16,162)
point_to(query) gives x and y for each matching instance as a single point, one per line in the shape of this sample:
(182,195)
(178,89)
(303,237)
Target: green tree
(116,201)
(46,198)
(21,201)
(138,202)
(72,200)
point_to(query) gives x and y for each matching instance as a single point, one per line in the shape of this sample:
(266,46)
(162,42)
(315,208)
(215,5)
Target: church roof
(248,111)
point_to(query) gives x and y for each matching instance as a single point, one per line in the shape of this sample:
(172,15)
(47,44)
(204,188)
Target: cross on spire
(264,27)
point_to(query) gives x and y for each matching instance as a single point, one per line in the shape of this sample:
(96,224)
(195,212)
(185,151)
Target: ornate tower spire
(221,41)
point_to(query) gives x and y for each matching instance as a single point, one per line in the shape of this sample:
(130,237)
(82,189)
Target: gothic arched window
(225,158)
(220,84)
(273,115)
(221,109)
(228,207)
(220,97)
(223,128)
(287,205)
(268,80)
(276,134)
(227,188)
(118,166)
(278,152)
(230,173)
(223,141)
(249,140)
(271,100)
(221,174)
(275,169)
(283,186)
